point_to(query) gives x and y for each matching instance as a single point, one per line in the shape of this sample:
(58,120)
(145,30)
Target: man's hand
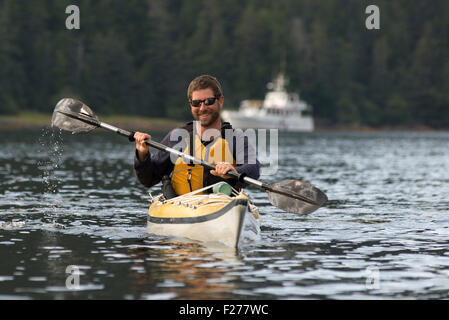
(222,168)
(141,146)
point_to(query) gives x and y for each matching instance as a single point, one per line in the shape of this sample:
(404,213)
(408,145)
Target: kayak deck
(205,217)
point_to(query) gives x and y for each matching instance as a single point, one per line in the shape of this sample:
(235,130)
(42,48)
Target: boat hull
(222,223)
(291,124)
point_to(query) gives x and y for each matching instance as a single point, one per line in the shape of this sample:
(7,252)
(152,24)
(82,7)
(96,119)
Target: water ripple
(74,200)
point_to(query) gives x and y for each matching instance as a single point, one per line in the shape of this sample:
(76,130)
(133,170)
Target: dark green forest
(138,56)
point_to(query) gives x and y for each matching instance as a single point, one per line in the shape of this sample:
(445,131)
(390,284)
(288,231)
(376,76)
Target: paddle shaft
(208,165)
(240,177)
(160,146)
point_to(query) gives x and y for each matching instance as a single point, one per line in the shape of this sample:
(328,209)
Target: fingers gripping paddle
(290,195)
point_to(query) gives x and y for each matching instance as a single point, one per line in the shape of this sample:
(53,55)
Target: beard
(213,116)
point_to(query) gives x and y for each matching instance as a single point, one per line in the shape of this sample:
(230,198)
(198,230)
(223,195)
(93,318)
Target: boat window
(306,113)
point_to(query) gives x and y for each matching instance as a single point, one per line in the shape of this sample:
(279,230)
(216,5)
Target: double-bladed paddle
(289,195)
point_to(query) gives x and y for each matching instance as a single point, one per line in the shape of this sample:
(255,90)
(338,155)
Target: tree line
(138,56)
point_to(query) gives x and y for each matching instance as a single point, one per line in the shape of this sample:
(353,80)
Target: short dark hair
(204,82)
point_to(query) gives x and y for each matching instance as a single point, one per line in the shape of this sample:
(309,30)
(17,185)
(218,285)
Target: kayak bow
(205,217)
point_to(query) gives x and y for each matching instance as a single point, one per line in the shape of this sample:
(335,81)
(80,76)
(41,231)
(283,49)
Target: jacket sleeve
(245,155)
(150,171)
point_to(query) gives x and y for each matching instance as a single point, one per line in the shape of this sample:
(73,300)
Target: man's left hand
(222,168)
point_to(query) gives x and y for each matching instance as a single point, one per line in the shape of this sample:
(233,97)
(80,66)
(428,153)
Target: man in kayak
(207,138)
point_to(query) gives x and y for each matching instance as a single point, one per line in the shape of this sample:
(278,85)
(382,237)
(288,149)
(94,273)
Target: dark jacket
(154,167)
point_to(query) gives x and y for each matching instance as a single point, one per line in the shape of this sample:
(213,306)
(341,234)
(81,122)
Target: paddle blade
(74,116)
(288,193)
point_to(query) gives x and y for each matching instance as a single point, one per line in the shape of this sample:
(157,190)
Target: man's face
(207,115)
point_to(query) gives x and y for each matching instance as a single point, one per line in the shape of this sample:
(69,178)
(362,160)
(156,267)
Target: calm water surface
(74,201)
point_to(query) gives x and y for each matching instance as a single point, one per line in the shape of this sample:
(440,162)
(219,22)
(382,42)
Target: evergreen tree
(138,56)
(11,72)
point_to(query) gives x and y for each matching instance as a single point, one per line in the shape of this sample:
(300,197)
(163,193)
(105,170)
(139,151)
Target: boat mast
(281,80)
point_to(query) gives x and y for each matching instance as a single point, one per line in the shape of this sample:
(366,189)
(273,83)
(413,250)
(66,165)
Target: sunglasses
(207,102)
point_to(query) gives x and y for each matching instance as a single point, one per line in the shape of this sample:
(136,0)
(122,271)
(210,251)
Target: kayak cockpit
(208,217)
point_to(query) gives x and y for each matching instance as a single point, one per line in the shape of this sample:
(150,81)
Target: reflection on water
(186,270)
(147,268)
(74,200)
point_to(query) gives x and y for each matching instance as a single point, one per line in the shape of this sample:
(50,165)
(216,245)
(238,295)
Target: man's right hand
(141,146)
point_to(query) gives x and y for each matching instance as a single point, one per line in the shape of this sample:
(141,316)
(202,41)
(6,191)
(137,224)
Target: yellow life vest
(188,177)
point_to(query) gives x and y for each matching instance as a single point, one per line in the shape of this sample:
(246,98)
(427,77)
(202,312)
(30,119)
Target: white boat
(279,110)
(205,217)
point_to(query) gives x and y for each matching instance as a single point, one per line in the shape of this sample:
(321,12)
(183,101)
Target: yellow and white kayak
(214,217)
